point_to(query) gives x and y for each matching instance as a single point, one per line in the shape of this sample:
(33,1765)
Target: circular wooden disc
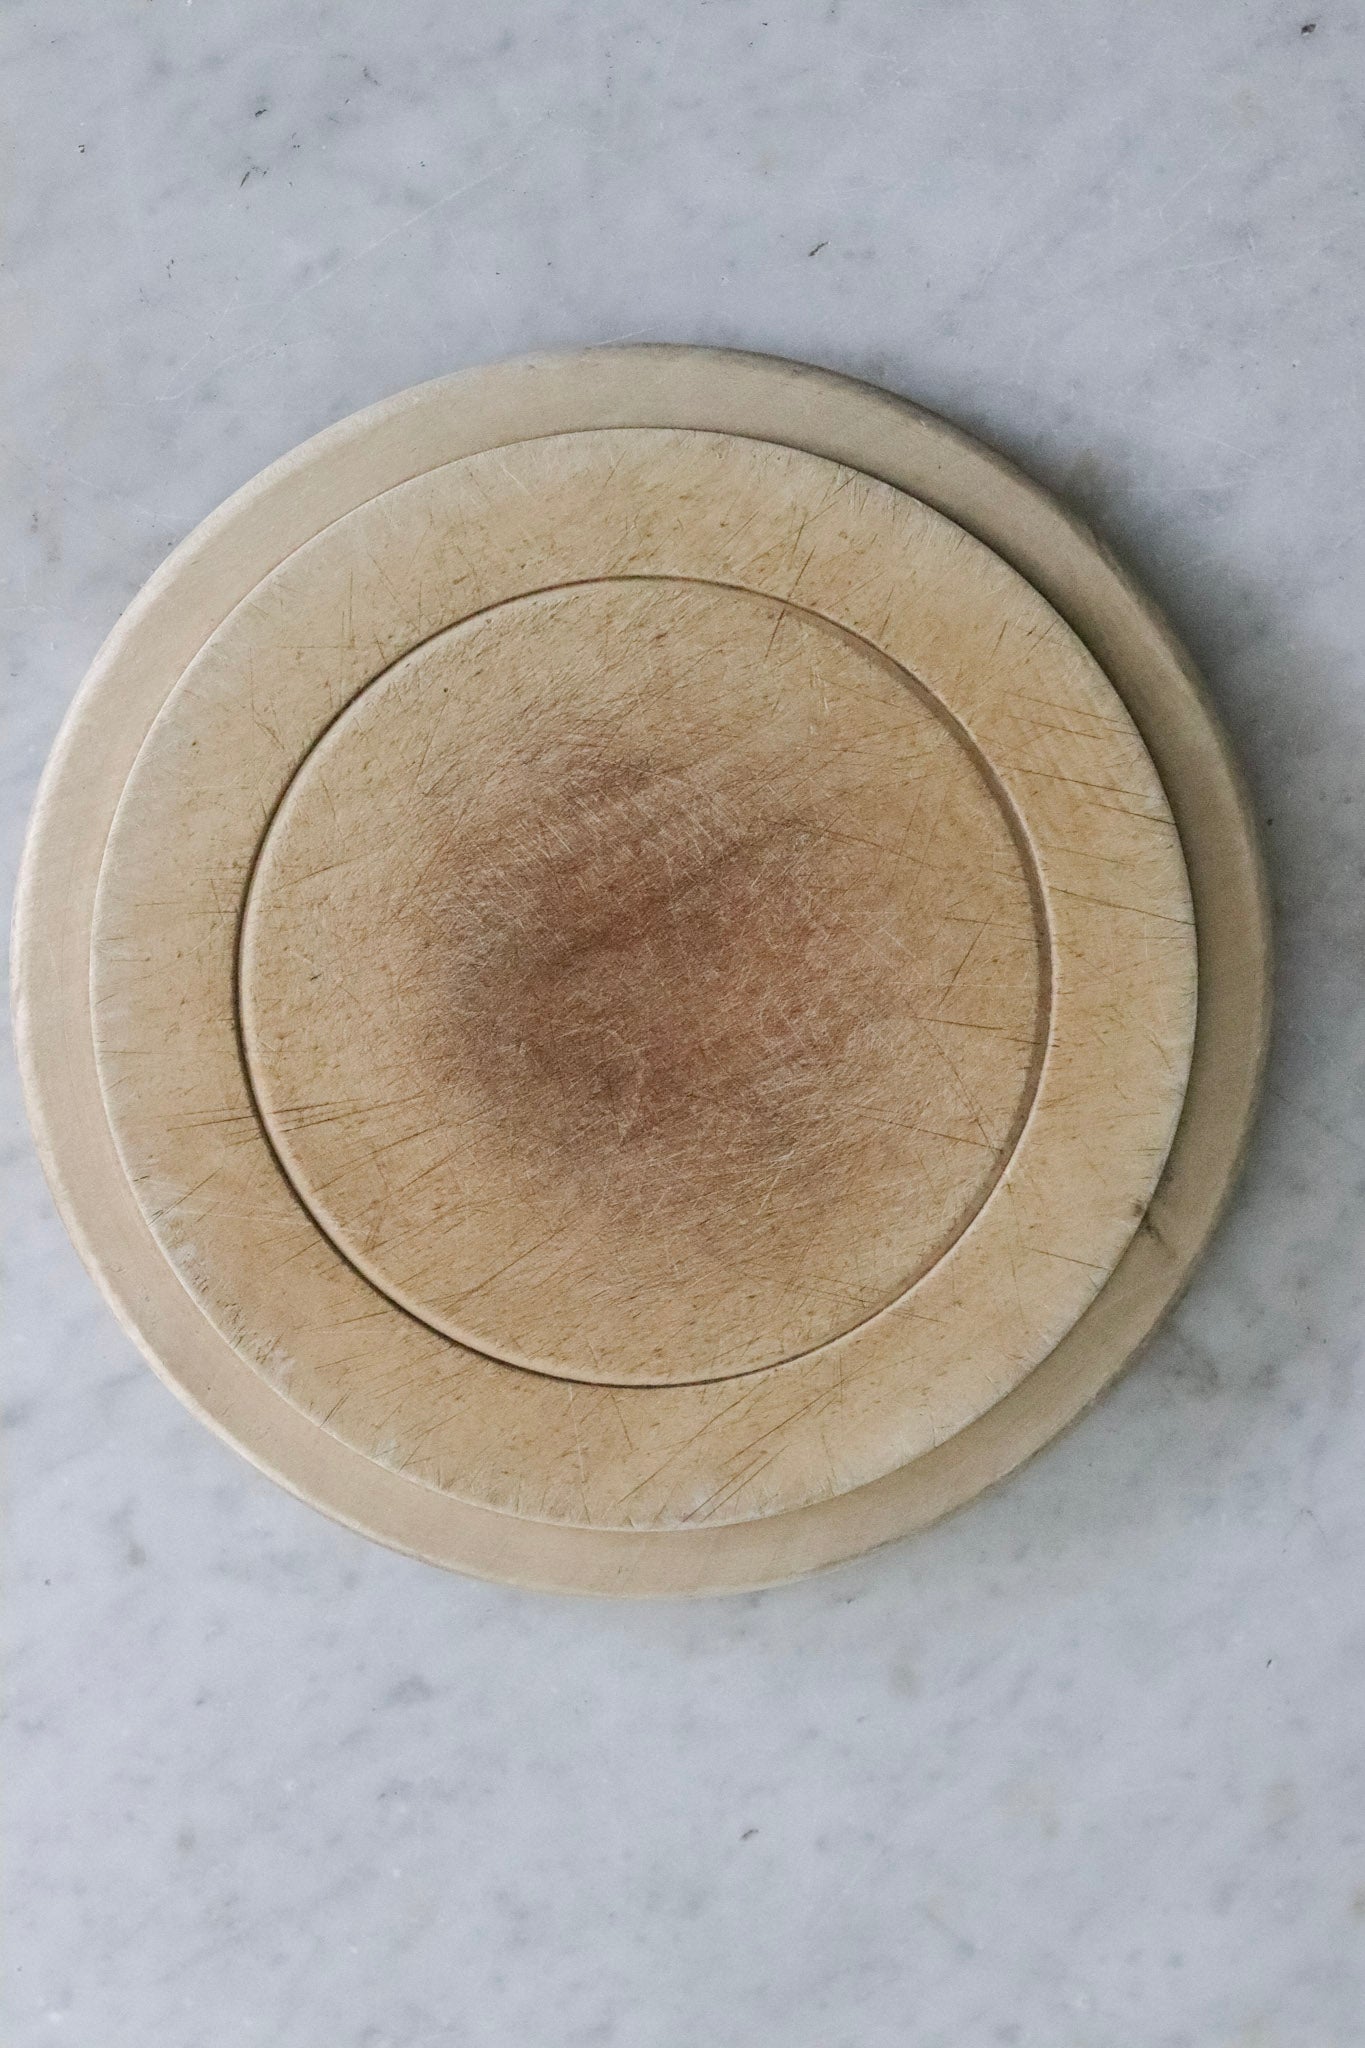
(669,970)
(612,990)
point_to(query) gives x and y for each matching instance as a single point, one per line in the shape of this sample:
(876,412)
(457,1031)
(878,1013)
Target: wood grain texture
(627,867)
(726,513)
(644,982)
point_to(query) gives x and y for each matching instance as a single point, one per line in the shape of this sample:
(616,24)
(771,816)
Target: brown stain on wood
(658,980)
(452,1449)
(653,946)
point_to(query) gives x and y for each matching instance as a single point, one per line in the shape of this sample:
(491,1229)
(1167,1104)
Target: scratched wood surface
(767,1027)
(643,982)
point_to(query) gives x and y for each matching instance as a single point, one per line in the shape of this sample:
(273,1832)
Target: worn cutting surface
(338,1260)
(644,982)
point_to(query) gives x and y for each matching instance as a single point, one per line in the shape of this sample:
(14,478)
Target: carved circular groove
(644,982)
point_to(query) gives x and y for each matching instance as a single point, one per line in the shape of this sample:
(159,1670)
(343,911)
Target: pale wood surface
(644,982)
(1120,958)
(424,1178)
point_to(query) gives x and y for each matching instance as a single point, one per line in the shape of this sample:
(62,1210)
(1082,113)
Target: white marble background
(1085,1766)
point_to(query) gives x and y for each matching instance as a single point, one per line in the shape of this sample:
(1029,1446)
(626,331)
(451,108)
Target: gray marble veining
(1085,1765)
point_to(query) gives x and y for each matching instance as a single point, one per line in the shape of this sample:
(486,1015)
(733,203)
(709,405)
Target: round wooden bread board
(640,971)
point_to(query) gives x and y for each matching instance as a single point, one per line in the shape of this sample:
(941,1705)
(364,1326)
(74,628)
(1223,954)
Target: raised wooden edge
(764,398)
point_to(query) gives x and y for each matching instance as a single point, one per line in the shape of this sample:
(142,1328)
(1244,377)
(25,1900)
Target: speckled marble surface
(1084,1766)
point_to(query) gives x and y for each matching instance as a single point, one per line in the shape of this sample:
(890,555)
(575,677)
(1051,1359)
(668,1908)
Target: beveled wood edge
(763,398)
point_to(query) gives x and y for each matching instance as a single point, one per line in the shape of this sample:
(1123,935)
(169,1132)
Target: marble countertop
(1084,1765)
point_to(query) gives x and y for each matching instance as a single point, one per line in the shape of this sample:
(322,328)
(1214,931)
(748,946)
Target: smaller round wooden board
(640,971)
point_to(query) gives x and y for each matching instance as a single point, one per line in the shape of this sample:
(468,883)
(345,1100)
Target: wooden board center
(643,982)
